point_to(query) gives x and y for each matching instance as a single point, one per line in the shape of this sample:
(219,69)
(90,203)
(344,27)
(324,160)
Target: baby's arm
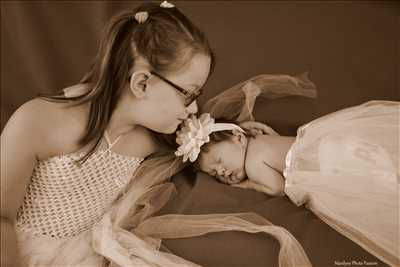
(265,179)
(249,184)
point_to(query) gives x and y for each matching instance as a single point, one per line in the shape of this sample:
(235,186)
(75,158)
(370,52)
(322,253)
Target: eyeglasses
(190,96)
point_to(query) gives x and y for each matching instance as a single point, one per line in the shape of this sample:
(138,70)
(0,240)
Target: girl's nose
(192,108)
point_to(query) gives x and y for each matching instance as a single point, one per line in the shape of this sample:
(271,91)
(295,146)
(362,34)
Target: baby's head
(224,156)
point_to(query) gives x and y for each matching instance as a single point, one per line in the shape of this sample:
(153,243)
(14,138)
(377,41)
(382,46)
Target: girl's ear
(138,82)
(239,138)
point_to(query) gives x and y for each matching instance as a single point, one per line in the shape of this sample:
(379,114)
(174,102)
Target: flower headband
(142,16)
(195,132)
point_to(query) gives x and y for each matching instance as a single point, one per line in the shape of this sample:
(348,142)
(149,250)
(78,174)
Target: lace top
(64,199)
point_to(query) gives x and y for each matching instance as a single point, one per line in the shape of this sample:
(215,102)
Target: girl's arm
(19,141)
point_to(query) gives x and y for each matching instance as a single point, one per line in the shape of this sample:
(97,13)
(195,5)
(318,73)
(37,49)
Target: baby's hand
(248,184)
(243,184)
(230,180)
(257,128)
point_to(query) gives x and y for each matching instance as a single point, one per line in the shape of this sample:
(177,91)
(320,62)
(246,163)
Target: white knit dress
(63,202)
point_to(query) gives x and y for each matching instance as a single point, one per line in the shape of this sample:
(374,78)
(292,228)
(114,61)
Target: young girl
(66,158)
(343,166)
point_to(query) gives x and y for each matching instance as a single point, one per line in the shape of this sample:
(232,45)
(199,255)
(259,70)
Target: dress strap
(108,140)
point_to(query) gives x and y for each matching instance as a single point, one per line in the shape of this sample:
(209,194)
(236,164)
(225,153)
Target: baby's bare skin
(260,158)
(271,149)
(265,163)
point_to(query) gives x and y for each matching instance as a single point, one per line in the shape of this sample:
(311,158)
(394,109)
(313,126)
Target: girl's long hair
(167,40)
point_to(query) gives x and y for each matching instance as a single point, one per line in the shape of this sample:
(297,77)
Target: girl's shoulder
(34,115)
(49,115)
(53,125)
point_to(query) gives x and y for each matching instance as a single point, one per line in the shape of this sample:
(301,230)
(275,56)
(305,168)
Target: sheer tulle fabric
(237,102)
(127,235)
(345,168)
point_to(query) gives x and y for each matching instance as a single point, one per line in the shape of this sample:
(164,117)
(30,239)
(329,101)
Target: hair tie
(166,4)
(141,16)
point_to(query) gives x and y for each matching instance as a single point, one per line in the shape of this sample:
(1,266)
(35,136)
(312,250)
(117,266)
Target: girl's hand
(255,128)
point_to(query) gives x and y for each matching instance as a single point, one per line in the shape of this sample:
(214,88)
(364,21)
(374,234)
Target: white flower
(141,16)
(166,4)
(193,134)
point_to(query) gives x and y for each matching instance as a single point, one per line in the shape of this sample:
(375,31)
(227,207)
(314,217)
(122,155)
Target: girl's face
(164,105)
(225,159)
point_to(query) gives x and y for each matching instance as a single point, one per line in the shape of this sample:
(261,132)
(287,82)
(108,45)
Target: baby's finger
(243,184)
(239,185)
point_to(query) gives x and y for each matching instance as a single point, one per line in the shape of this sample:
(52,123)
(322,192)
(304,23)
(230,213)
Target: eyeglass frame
(190,97)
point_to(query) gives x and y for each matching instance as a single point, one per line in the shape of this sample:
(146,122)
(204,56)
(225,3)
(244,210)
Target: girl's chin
(169,129)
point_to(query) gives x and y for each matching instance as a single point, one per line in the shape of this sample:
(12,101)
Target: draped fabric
(140,245)
(345,168)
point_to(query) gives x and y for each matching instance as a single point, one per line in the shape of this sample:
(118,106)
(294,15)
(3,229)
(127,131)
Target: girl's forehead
(195,72)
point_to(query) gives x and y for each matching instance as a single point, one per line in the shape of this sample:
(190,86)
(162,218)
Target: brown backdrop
(350,48)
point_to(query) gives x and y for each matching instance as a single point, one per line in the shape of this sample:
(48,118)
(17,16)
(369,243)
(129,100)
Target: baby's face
(225,160)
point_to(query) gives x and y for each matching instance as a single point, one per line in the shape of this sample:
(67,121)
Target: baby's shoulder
(261,150)
(254,157)
(257,147)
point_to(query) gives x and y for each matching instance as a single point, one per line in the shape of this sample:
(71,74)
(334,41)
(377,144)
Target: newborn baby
(233,156)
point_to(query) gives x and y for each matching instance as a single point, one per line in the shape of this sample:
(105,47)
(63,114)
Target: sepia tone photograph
(200,133)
